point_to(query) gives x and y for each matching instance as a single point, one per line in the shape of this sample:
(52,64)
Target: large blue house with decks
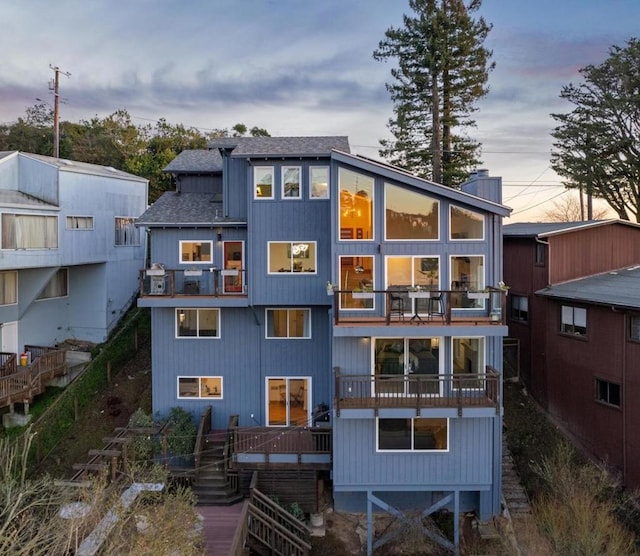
(302,290)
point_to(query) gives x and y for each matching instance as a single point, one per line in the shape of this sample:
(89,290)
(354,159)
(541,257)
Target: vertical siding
(468,462)
(630,395)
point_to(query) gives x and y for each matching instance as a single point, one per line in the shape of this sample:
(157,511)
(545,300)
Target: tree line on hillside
(143,150)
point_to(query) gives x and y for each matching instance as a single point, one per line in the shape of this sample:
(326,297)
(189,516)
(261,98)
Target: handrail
(240,536)
(227,451)
(204,428)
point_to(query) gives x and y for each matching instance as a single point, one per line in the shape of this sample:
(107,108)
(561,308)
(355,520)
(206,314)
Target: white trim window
(263,180)
(288,323)
(467,277)
(356,210)
(29,231)
(410,215)
(468,359)
(319,182)
(79,222)
(196,251)
(198,323)
(57,286)
(465,224)
(573,320)
(291,256)
(291,182)
(418,434)
(8,287)
(126,232)
(200,387)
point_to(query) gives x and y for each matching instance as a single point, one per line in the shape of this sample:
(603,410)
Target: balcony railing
(208,281)
(417,391)
(407,307)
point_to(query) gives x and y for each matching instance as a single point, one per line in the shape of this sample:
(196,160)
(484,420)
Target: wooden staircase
(211,484)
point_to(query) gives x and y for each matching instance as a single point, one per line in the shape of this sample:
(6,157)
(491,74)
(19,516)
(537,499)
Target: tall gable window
(356,206)
(413,435)
(58,285)
(289,256)
(465,224)
(196,251)
(8,287)
(409,215)
(319,182)
(288,323)
(79,222)
(291,186)
(126,231)
(29,231)
(263,182)
(198,323)
(573,320)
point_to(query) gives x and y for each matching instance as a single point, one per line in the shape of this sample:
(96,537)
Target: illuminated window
(208,387)
(356,206)
(465,224)
(292,256)
(467,276)
(288,323)
(196,251)
(263,180)
(198,323)
(356,279)
(409,215)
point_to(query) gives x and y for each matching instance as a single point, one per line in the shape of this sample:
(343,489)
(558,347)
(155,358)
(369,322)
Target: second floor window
(58,285)
(573,320)
(198,323)
(263,182)
(8,287)
(290,256)
(319,182)
(356,206)
(291,186)
(288,323)
(608,393)
(29,231)
(126,231)
(196,251)
(79,222)
(465,224)
(519,308)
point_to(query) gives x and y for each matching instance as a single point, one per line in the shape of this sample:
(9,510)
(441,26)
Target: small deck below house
(417,392)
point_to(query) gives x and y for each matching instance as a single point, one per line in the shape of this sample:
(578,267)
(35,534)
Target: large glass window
(405,273)
(467,275)
(198,323)
(79,222)
(288,323)
(196,252)
(573,320)
(57,286)
(465,224)
(200,387)
(319,182)
(356,278)
(406,366)
(356,206)
(29,231)
(468,359)
(292,256)
(409,215)
(8,287)
(126,231)
(263,180)
(291,185)
(417,434)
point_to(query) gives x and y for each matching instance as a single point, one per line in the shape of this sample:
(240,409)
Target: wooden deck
(220,524)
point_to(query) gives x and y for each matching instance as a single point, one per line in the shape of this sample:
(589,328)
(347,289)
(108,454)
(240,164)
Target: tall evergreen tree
(597,144)
(443,69)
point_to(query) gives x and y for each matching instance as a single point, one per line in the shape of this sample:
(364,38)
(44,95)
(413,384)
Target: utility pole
(55,87)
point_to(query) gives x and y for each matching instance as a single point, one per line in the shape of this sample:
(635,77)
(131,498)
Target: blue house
(305,291)
(71,252)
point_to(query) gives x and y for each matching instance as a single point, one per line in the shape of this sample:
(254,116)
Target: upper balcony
(407,307)
(198,282)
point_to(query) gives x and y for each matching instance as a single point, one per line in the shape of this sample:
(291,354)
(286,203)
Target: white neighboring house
(69,250)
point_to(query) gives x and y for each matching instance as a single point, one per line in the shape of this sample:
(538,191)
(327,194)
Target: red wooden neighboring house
(574,306)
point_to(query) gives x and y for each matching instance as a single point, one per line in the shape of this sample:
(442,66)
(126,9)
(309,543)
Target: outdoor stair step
(209,482)
(219,501)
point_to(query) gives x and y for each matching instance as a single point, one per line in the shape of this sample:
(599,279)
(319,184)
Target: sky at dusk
(296,67)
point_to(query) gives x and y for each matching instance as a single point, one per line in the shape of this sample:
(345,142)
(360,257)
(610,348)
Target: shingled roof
(282,146)
(196,161)
(174,209)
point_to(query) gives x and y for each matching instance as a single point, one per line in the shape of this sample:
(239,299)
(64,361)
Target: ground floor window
(288,401)
(608,392)
(415,435)
(200,387)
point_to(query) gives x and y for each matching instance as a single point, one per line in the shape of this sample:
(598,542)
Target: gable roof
(175,209)
(547,229)
(196,161)
(282,146)
(617,288)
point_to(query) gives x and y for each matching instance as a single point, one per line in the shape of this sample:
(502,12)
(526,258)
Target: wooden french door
(233,273)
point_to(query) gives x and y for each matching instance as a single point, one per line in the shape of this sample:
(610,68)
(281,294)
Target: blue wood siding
(243,357)
(236,189)
(468,462)
(200,183)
